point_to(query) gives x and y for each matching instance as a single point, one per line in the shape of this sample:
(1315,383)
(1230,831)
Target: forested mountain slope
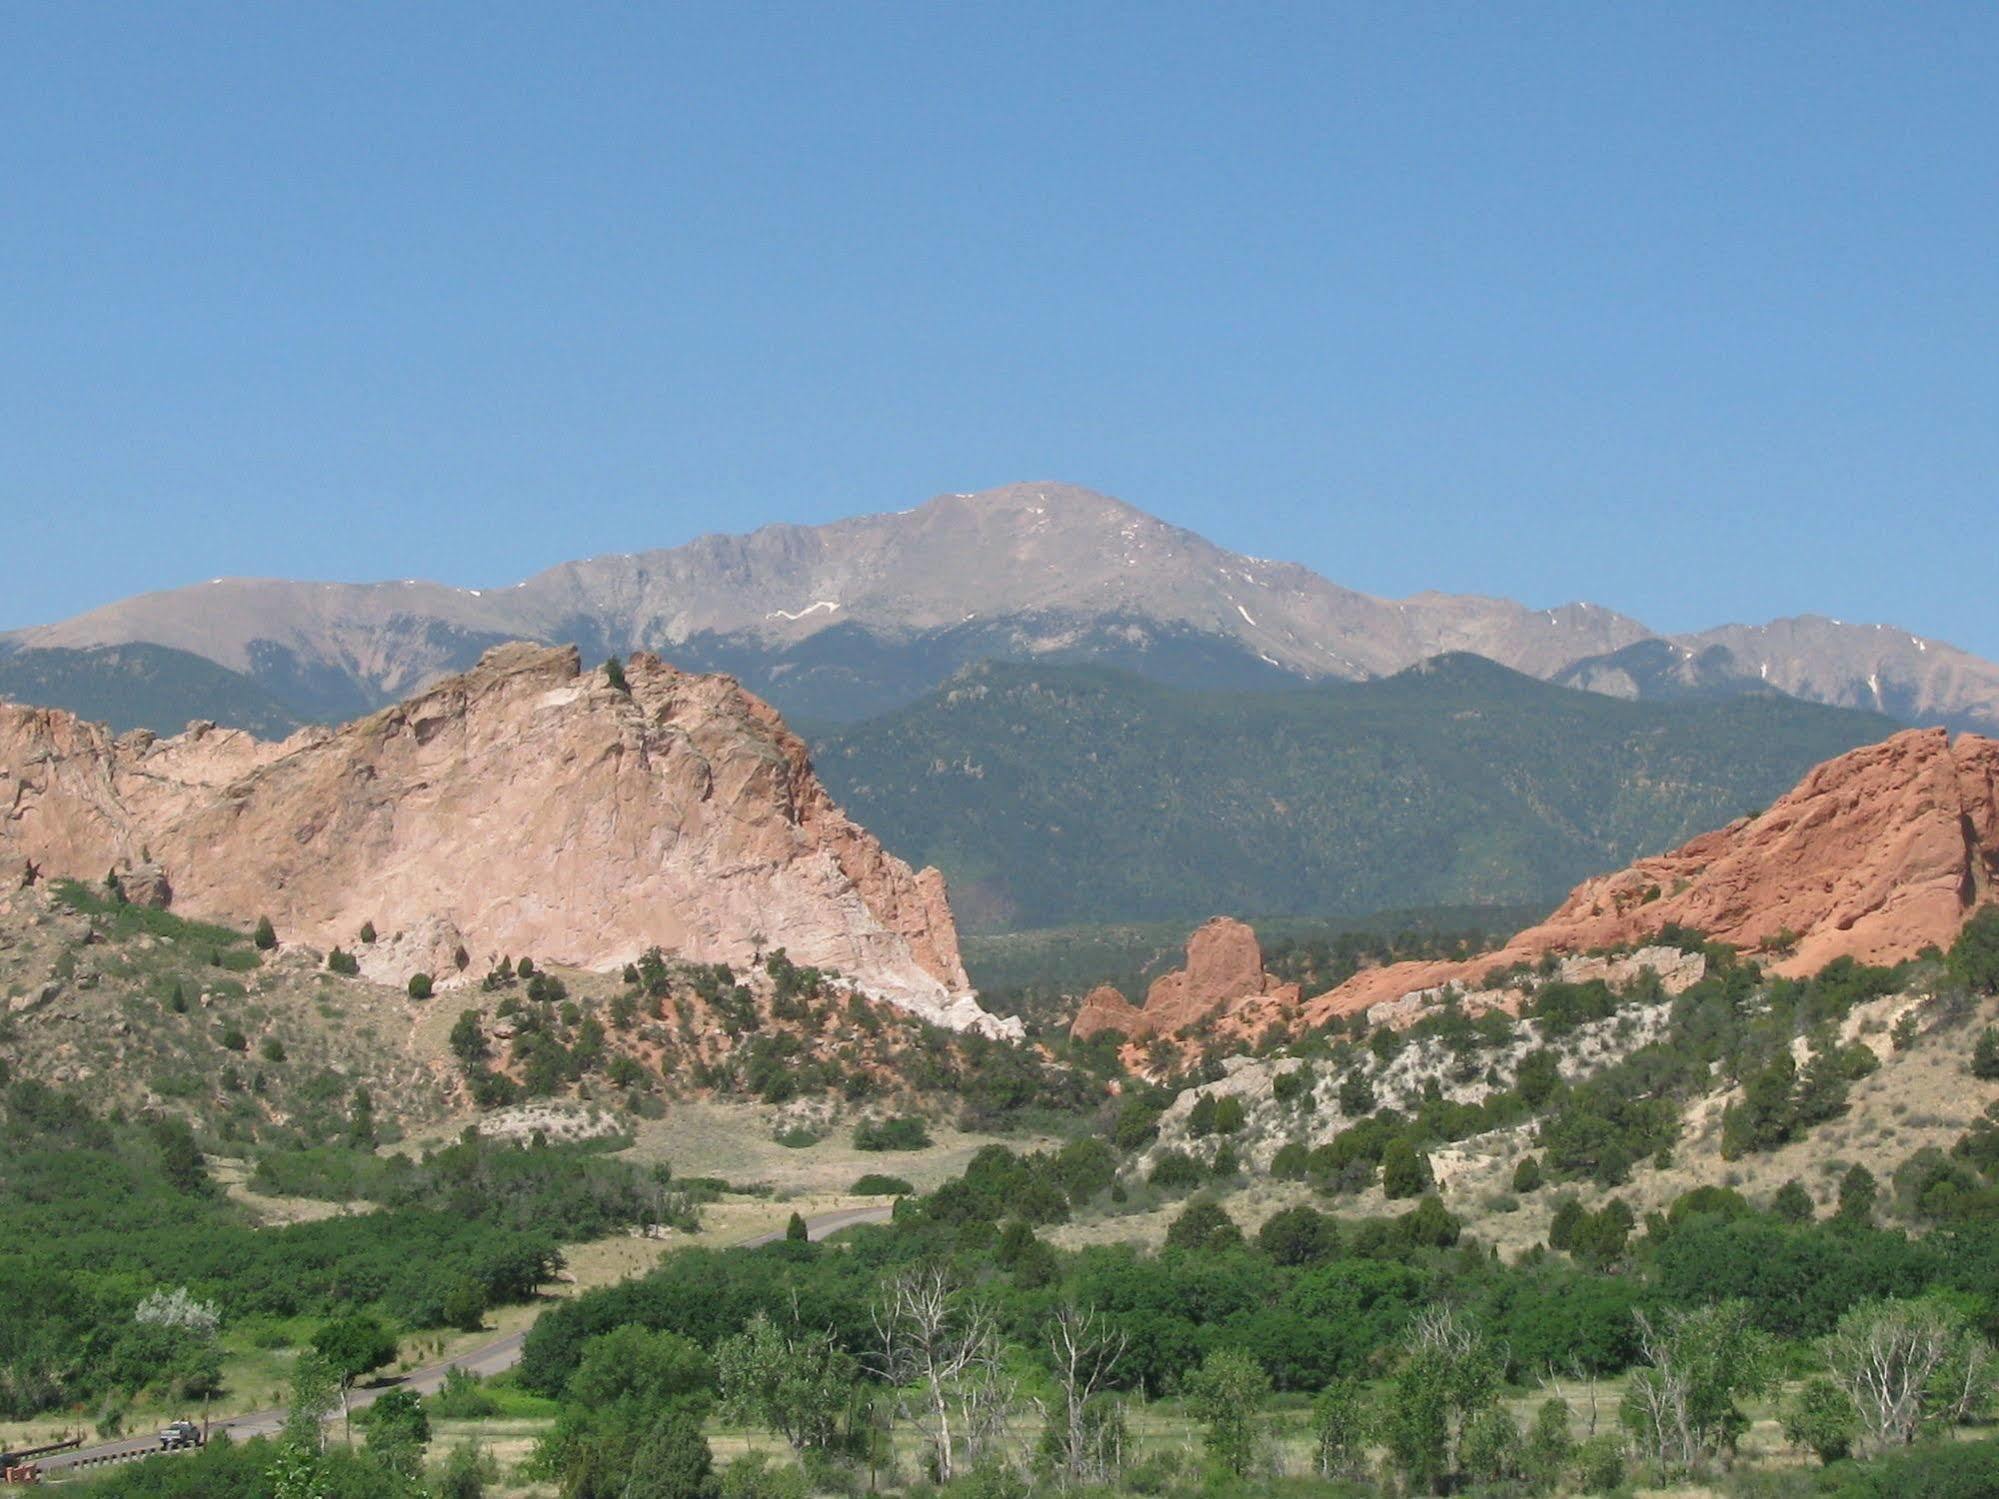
(1052,794)
(143,686)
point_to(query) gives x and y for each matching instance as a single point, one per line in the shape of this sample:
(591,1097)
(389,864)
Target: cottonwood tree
(1339,1429)
(945,1346)
(1225,1395)
(1084,1349)
(1449,1374)
(298,1469)
(1907,1365)
(192,1325)
(353,1346)
(398,1431)
(798,1384)
(1821,1419)
(1681,1409)
(1550,1446)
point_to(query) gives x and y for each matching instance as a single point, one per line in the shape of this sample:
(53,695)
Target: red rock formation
(1875,855)
(1105,1009)
(524,806)
(1224,971)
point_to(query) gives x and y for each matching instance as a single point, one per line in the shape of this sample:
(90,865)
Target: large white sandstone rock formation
(525,806)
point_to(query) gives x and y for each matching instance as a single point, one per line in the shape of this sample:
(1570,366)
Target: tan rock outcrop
(1875,855)
(1224,971)
(527,805)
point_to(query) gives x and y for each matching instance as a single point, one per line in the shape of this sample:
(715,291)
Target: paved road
(487,1358)
(821,1226)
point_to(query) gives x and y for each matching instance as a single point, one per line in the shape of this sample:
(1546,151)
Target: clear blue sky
(1690,310)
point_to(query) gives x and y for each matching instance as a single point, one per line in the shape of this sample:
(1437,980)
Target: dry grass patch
(737,1142)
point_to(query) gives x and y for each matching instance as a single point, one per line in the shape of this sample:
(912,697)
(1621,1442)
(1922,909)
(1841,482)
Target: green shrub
(1934,1470)
(1793,1203)
(1299,1235)
(1203,1225)
(1599,1465)
(1405,1170)
(1974,956)
(874,1184)
(899,1132)
(1137,1123)
(1985,1055)
(463,1398)
(1295,1084)
(1356,1094)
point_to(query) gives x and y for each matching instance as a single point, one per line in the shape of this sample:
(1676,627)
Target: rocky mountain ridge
(524,806)
(852,617)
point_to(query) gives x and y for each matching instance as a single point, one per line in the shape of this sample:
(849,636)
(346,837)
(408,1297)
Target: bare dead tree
(1660,1395)
(1439,1329)
(1084,1349)
(1905,1364)
(946,1347)
(1552,1383)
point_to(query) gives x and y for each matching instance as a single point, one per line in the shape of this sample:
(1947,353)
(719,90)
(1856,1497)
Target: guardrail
(33,1472)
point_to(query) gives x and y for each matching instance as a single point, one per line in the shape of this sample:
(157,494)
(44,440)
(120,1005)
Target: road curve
(820,1226)
(487,1358)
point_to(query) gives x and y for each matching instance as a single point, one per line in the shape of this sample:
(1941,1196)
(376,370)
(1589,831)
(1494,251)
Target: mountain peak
(849,618)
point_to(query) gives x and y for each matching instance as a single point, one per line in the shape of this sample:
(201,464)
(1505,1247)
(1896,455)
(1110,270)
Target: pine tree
(1857,1192)
(1405,1170)
(267,936)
